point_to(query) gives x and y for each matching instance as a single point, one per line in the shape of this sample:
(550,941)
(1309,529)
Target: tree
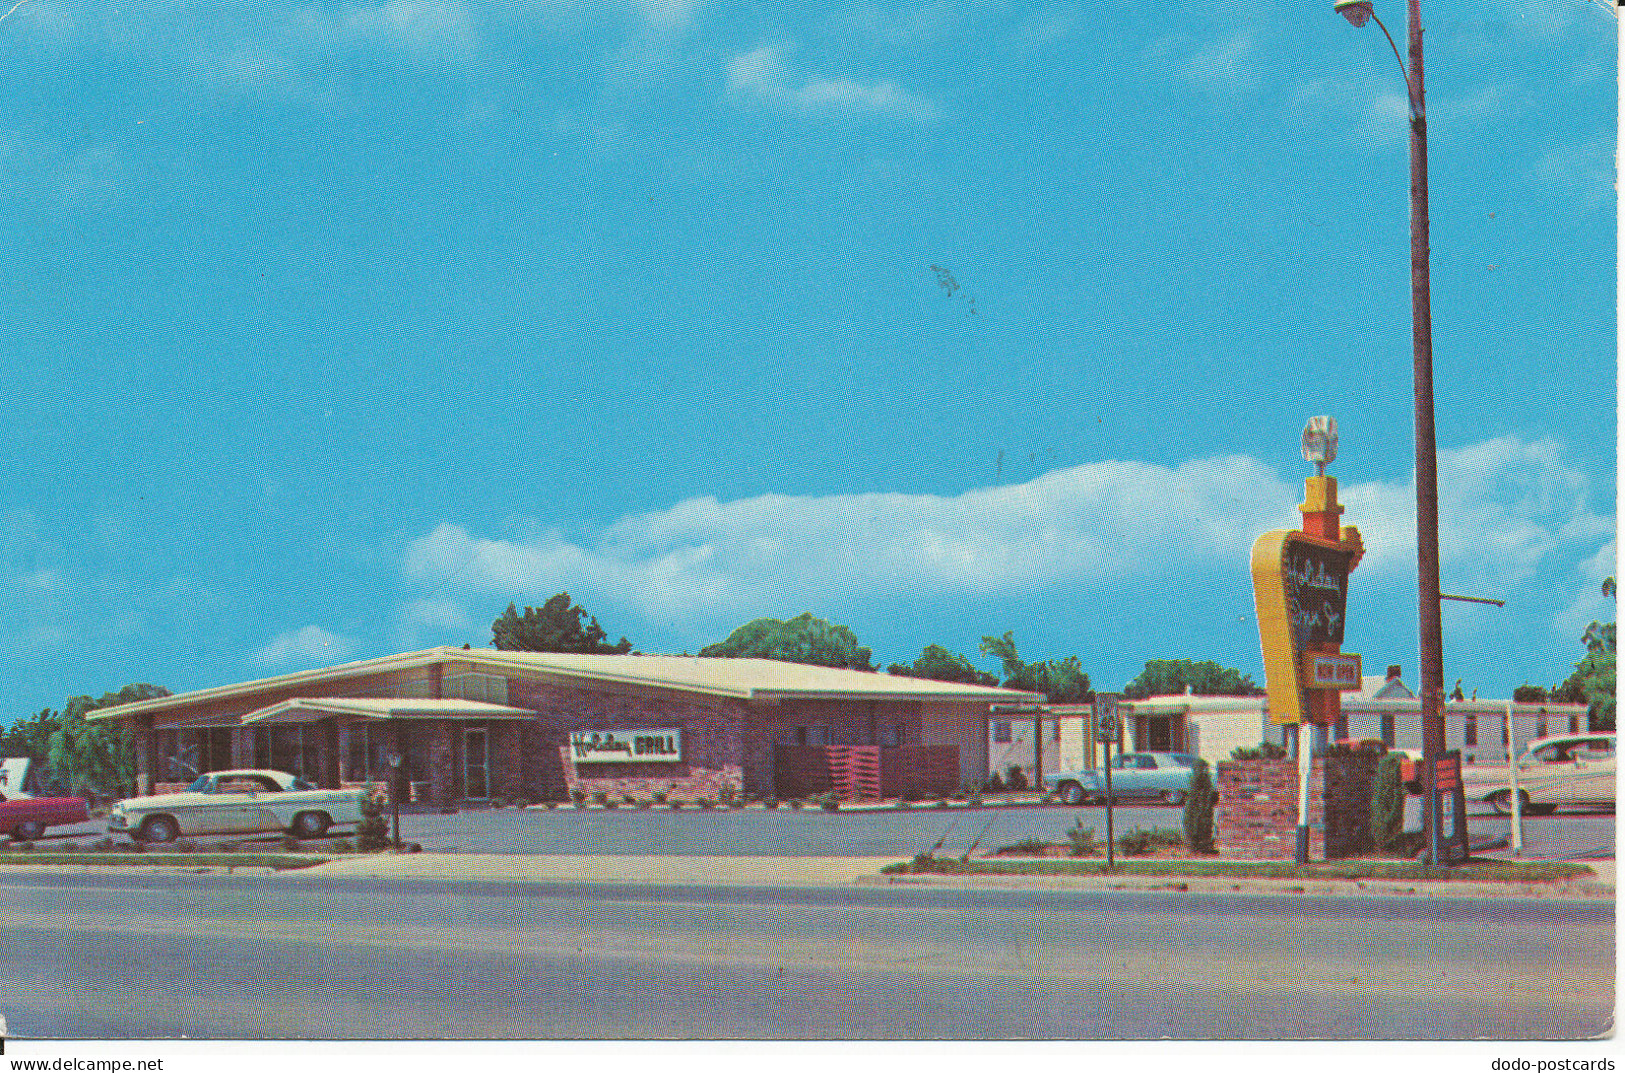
(82,755)
(803,639)
(1528,694)
(556,626)
(1593,679)
(1163,677)
(941,665)
(1062,681)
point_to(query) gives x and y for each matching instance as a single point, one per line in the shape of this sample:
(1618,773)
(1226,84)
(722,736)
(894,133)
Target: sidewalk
(847,871)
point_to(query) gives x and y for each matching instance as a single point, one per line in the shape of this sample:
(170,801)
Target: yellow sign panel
(1300,588)
(1324,671)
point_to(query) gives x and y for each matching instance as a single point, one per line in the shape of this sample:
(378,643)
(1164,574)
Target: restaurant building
(476,725)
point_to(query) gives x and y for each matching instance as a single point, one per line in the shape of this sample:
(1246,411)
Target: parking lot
(786,832)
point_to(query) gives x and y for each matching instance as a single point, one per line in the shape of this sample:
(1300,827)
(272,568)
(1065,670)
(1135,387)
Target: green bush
(1264,750)
(1015,778)
(1081,839)
(372,833)
(1026,845)
(1388,805)
(1197,822)
(1135,843)
(659,797)
(829,802)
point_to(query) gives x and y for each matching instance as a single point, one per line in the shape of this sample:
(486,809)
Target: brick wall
(714,746)
(1257,811)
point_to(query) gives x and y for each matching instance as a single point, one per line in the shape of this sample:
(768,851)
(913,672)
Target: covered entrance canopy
(310,709)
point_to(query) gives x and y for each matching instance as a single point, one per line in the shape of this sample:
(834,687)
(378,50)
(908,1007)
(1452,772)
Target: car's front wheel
(160,829)
(1071,793)
(27,831)
(311,824)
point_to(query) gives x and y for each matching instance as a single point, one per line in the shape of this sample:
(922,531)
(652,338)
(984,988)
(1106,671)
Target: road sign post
(1108,727)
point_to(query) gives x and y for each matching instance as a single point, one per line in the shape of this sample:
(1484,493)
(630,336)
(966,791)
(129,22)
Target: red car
(23,816)
(26,818)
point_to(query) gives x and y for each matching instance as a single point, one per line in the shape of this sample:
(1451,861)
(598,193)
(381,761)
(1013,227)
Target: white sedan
(237,802)
(1570,769)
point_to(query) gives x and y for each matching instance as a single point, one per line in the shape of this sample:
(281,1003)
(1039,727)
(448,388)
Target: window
(1001,732)
(1388,730)
(368,759)
(490,688)
(282,747)
(891,736)
(818,735)
(1469,730)
(186,754)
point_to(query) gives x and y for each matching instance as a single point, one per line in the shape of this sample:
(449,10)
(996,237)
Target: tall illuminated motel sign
(1300,592)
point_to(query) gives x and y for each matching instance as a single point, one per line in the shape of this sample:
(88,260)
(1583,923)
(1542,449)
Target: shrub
(1166,836)
(829,802)
(993,784)
(372,833)
(186,845)
(707,803)
(795,803)
(103,845)
(290,844)
(1135,843)
(1264,750)
(1027,845)
(942,802)
(659,797)
(344,845)
(1388,805)
(70,847)
(973,799)
(600,797)
(1081,839)
(1197,822)
(26,847)
(577,795)
(728,794)
(1015,778)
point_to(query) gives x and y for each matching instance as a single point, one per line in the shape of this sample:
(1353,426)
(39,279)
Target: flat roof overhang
(310,709)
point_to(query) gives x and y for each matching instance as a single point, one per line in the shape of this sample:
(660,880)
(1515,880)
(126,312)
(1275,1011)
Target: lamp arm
(1410,90)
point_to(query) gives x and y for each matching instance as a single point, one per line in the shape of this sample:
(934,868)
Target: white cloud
(1508,509)
(310,644)
(763,74)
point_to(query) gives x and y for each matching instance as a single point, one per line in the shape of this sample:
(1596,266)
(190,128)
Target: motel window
(1574,724)
(368,760)
(1056,735)
(1388,730)
(1469,729)
(1541,730)
(186,754)
(282,747)
(1001,732)
(891,736)
(490,688)
(818,735)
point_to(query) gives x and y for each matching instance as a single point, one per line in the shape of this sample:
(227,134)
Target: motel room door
(476,764)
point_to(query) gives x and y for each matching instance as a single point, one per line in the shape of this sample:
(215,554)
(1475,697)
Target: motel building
(470,726)
(1383,709)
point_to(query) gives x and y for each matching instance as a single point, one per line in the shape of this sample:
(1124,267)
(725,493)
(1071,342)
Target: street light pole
(1430,629)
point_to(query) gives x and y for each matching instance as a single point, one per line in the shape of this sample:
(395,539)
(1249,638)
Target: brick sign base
(1257,812)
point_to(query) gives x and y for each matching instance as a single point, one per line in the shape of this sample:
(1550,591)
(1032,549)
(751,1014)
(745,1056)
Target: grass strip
(127,859)
(1487,871)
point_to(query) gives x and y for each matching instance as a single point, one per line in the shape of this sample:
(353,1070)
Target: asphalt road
(814,833)
(282,957)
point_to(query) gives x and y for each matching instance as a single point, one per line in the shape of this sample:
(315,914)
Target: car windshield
(202,785)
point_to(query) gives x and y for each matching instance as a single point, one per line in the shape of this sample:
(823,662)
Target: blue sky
(332,327)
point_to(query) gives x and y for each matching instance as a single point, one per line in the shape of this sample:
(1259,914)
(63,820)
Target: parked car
(1563,770)
(24,818)
(237,802)
(1164,777)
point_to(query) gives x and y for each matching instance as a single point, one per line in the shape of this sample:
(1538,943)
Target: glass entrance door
(476,760)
